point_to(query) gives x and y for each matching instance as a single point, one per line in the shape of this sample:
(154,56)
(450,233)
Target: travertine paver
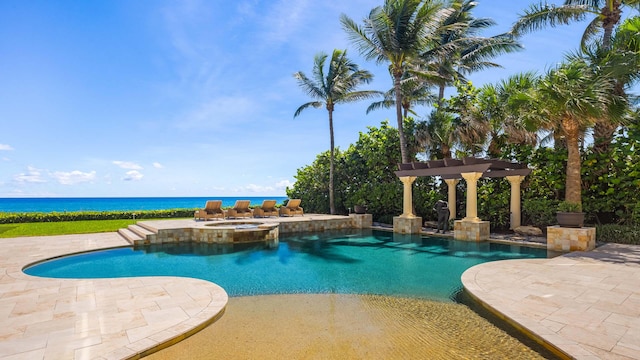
(42,318)
(586,304)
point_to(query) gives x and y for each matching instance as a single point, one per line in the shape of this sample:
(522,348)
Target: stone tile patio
(42,318)
(585,304)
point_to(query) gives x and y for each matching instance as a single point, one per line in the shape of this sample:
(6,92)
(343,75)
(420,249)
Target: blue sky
(187,98)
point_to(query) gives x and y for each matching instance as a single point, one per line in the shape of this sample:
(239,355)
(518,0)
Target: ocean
(116,204)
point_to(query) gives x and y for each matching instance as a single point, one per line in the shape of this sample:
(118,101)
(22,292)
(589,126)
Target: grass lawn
(62,228)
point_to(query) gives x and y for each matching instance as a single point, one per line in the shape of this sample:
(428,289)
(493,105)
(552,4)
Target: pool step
(130,236)
(141,231)
(138,235)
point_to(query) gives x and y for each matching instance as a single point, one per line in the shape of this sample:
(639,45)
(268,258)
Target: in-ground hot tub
(236,231)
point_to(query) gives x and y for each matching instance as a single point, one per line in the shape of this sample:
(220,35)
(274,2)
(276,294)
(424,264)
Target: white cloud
(127,165)
(157,165)
(6,159)
(133,175)
(258,188)
(283,184)
(73,177)
(5,147)
(32,175)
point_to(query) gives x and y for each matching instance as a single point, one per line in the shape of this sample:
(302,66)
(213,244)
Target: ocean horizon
(69,204)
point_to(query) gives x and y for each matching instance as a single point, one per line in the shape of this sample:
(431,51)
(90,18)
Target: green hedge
(621,234)
(29,217)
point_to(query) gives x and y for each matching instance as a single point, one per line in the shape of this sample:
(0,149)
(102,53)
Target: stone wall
(471,230)
(269,231)
(315,225)
(571,239)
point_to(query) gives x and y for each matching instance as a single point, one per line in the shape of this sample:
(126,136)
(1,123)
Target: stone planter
(570,219)
(359,209)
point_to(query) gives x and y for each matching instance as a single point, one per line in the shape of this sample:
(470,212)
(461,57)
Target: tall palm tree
(396,32)
(413,93)
(457,49)
(333,85)
(569,99)
(606,15)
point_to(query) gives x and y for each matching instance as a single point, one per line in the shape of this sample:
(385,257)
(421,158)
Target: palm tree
(457,50)
(500,106)
(337,85)
(396,32)
(606,15)
(569,99)
(437,134)
(413,93)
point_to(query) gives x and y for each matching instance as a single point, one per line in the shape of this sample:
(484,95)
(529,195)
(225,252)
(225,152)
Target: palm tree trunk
(446,152)
(397,76)
(603,130)
(611,14)
(573,186)
(332,208)
(441,88)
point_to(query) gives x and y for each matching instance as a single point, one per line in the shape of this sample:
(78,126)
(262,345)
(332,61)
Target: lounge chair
(293,208)
(240,210)
(267,209)
(212,210)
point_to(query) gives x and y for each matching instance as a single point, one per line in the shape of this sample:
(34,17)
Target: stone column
(515,181)
(451,187)
(472,196)
(407,201)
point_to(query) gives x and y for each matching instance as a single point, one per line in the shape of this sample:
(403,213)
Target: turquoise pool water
(355,262)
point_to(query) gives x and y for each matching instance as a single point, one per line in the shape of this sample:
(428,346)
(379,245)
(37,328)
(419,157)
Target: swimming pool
(347,262)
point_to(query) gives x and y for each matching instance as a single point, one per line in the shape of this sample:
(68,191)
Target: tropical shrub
(620,234)
(539,212)
(493,202)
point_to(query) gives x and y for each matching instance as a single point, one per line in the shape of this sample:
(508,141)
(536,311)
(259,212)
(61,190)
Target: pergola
(470,169)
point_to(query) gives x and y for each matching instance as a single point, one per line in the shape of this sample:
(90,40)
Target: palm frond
(591,31)
(315,104)
(538,16)
(310,87)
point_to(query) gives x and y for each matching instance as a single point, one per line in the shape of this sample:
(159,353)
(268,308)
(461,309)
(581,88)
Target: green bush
(565,206)
(539,212)
(30,217)
(621,234)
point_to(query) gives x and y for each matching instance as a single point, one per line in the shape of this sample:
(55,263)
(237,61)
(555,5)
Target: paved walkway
(42,318)
(586,304)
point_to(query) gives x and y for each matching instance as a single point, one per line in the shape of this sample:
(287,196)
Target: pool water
(346,262)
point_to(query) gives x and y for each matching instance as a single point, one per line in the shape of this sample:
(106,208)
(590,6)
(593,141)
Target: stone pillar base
(571,239)
(404,225)
(361,221)
(471,230)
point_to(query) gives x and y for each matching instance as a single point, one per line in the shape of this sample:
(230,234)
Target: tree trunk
(332,208)
(573,185)
(610,18)
(446,152)
(440,94)
(603,129)
(397,76)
